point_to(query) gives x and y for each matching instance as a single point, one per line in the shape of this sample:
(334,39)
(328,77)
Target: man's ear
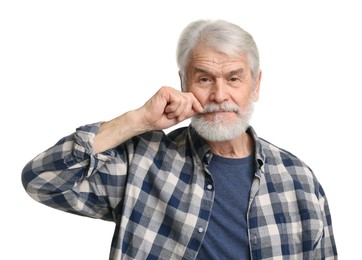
(257,87)
(183,84)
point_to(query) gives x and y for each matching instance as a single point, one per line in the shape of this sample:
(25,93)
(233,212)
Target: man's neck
(239,147)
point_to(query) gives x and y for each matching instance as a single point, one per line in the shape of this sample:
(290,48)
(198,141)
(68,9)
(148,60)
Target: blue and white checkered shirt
(157,190)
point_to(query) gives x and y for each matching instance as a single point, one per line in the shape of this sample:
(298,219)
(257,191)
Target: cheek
(201,96)
(240,97)
(243,100)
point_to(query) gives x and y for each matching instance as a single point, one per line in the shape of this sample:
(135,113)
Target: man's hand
(164,109)
(168,107)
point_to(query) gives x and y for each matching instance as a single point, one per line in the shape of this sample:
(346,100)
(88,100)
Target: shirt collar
(259,153)
(203,152)
(199,146)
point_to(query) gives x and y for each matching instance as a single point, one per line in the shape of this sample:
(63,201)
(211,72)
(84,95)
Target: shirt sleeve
(326,247)
(70,177)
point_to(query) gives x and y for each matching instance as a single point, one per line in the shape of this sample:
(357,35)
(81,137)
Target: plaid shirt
(157,190)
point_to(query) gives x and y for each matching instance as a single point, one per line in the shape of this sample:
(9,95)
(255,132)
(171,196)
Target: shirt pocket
(301,232)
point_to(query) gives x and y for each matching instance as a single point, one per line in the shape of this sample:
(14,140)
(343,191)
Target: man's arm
(67,175)
(164,109)
(63,176)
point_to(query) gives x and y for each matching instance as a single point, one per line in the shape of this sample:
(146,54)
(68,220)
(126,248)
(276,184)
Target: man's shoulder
(286,169)
(161,138)
(177,133)
(276,155)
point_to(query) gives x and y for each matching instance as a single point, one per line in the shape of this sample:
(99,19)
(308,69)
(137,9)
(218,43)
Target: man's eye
(204,80)
(233,79)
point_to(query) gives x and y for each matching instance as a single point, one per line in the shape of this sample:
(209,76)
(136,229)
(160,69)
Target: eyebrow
(237,71)
(198,70)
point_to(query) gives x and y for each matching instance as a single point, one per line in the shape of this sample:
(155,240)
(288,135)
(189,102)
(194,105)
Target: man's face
(225,87)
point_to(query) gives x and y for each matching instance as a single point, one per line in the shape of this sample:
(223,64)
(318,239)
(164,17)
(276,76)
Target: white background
(67,63)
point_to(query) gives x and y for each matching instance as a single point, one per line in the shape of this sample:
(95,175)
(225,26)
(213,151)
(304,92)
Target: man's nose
(219,92)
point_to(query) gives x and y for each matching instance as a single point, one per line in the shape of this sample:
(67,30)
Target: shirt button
(200,229)
(209,187)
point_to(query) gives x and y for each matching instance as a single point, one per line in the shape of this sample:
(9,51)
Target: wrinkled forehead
(206,57)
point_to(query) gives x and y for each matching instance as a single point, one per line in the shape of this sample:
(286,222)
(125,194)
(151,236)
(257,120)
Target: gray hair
(221,35)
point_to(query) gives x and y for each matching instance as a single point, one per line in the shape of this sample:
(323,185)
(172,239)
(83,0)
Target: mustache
(223,107)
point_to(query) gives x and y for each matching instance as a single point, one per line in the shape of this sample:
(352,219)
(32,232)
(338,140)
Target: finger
(191,108)
(197,107)
(170,108)
(176,106)
(183,112)
(182,106)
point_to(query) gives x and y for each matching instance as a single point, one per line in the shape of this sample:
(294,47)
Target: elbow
(32,182)
(27,175)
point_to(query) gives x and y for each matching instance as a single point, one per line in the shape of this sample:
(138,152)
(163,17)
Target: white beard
(216,130)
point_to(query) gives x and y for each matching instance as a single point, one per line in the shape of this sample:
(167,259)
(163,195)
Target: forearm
(118,130)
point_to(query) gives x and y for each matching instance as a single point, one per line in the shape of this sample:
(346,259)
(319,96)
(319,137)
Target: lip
(220,112)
